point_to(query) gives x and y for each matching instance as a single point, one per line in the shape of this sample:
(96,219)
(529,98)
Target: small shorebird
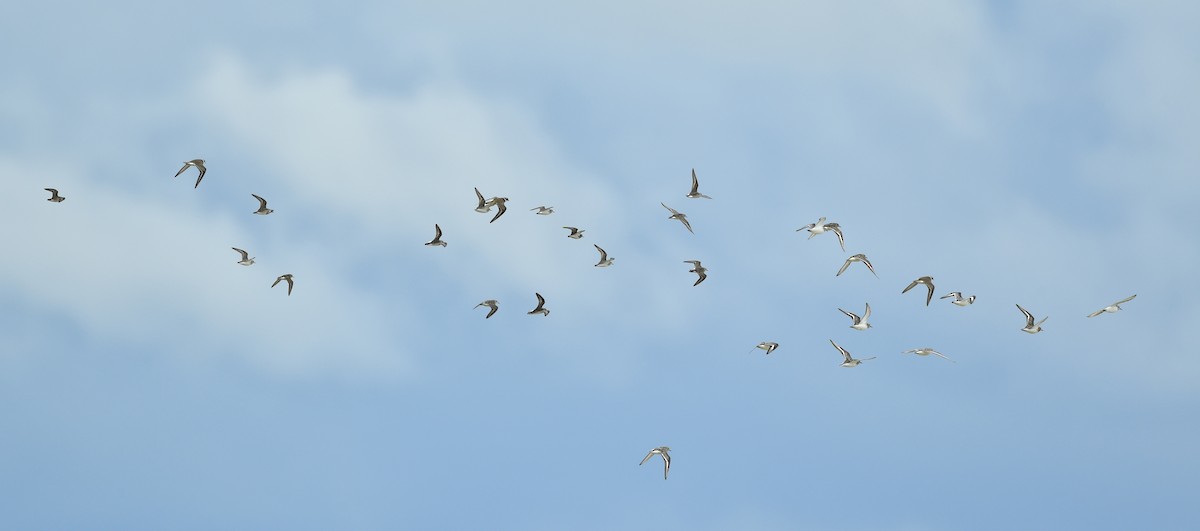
(437,237)
(541,307)
(262,206)
(1114,307)
(857,258)
(1030,327)
(54,197)
(662,451)
(860,323)
(928,282)
(768,346)
(575,233)
(675,214)
(498,202)
(482,207)
(699,270)
(490,303)
(605,261)
(199,164)
(288,278)
(958,299)
(246,260)
(850,362)
(695,193)
(820,227)
(927,351)
(543,211)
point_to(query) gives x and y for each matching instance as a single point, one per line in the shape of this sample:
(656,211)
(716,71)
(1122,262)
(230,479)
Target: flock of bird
(860,323)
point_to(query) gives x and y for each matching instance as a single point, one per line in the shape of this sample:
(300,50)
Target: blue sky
(1025,152)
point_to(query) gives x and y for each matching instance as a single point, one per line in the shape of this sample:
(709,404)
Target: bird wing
(493,307)
(603,255)
(848,314)
(245,255)
(1097,312)
(943,356)
(276,281)
(1125,300)
(262,203)
(480,196)
(842,350)
(702,277)
(437,232)
(181,170)
(867,313)
(647,458)
(806,227)
(844,266)
(541,301)
(201,176)
(695,183)
(1028,316)
(666,463)
(838,231)
(290,285)
(500,213)
(673,211)
(929,297)
(910,286)
(869,266)
(955,294)
(687,225)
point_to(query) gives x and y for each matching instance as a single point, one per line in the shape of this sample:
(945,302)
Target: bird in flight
(857,258)
(1114,307)
(54,197)
(666,457)
(288,278)
(262,206)
(199,164)
(850,361)
(1030,327)
(498,202)
(541,307)
(543,211)
(699,270)
(437,237)
(575,233)
(490,303)
(605,261)
(246,260)
(958,299)
(859,323)
(928,282)
(820,227)
(927,351)
(768,346)
(695,193)
(675,214)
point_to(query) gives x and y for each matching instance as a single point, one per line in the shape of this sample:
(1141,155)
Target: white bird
(498,202)
(928,282)
(820,227)
(1030,327)
(288,278)
(860,323)
(540,307)
(575,233)
(850,362)
(675,214)
(543,211)
(857,258)
(605,261)
(246,260)
(927,351)
(490,303)
(1114,307)
(666,457)
(54,197)
(695,193)
(699,270)
(482,207)
(199,164)
(768,346)
(958,299)
(437,237)
(262,206)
